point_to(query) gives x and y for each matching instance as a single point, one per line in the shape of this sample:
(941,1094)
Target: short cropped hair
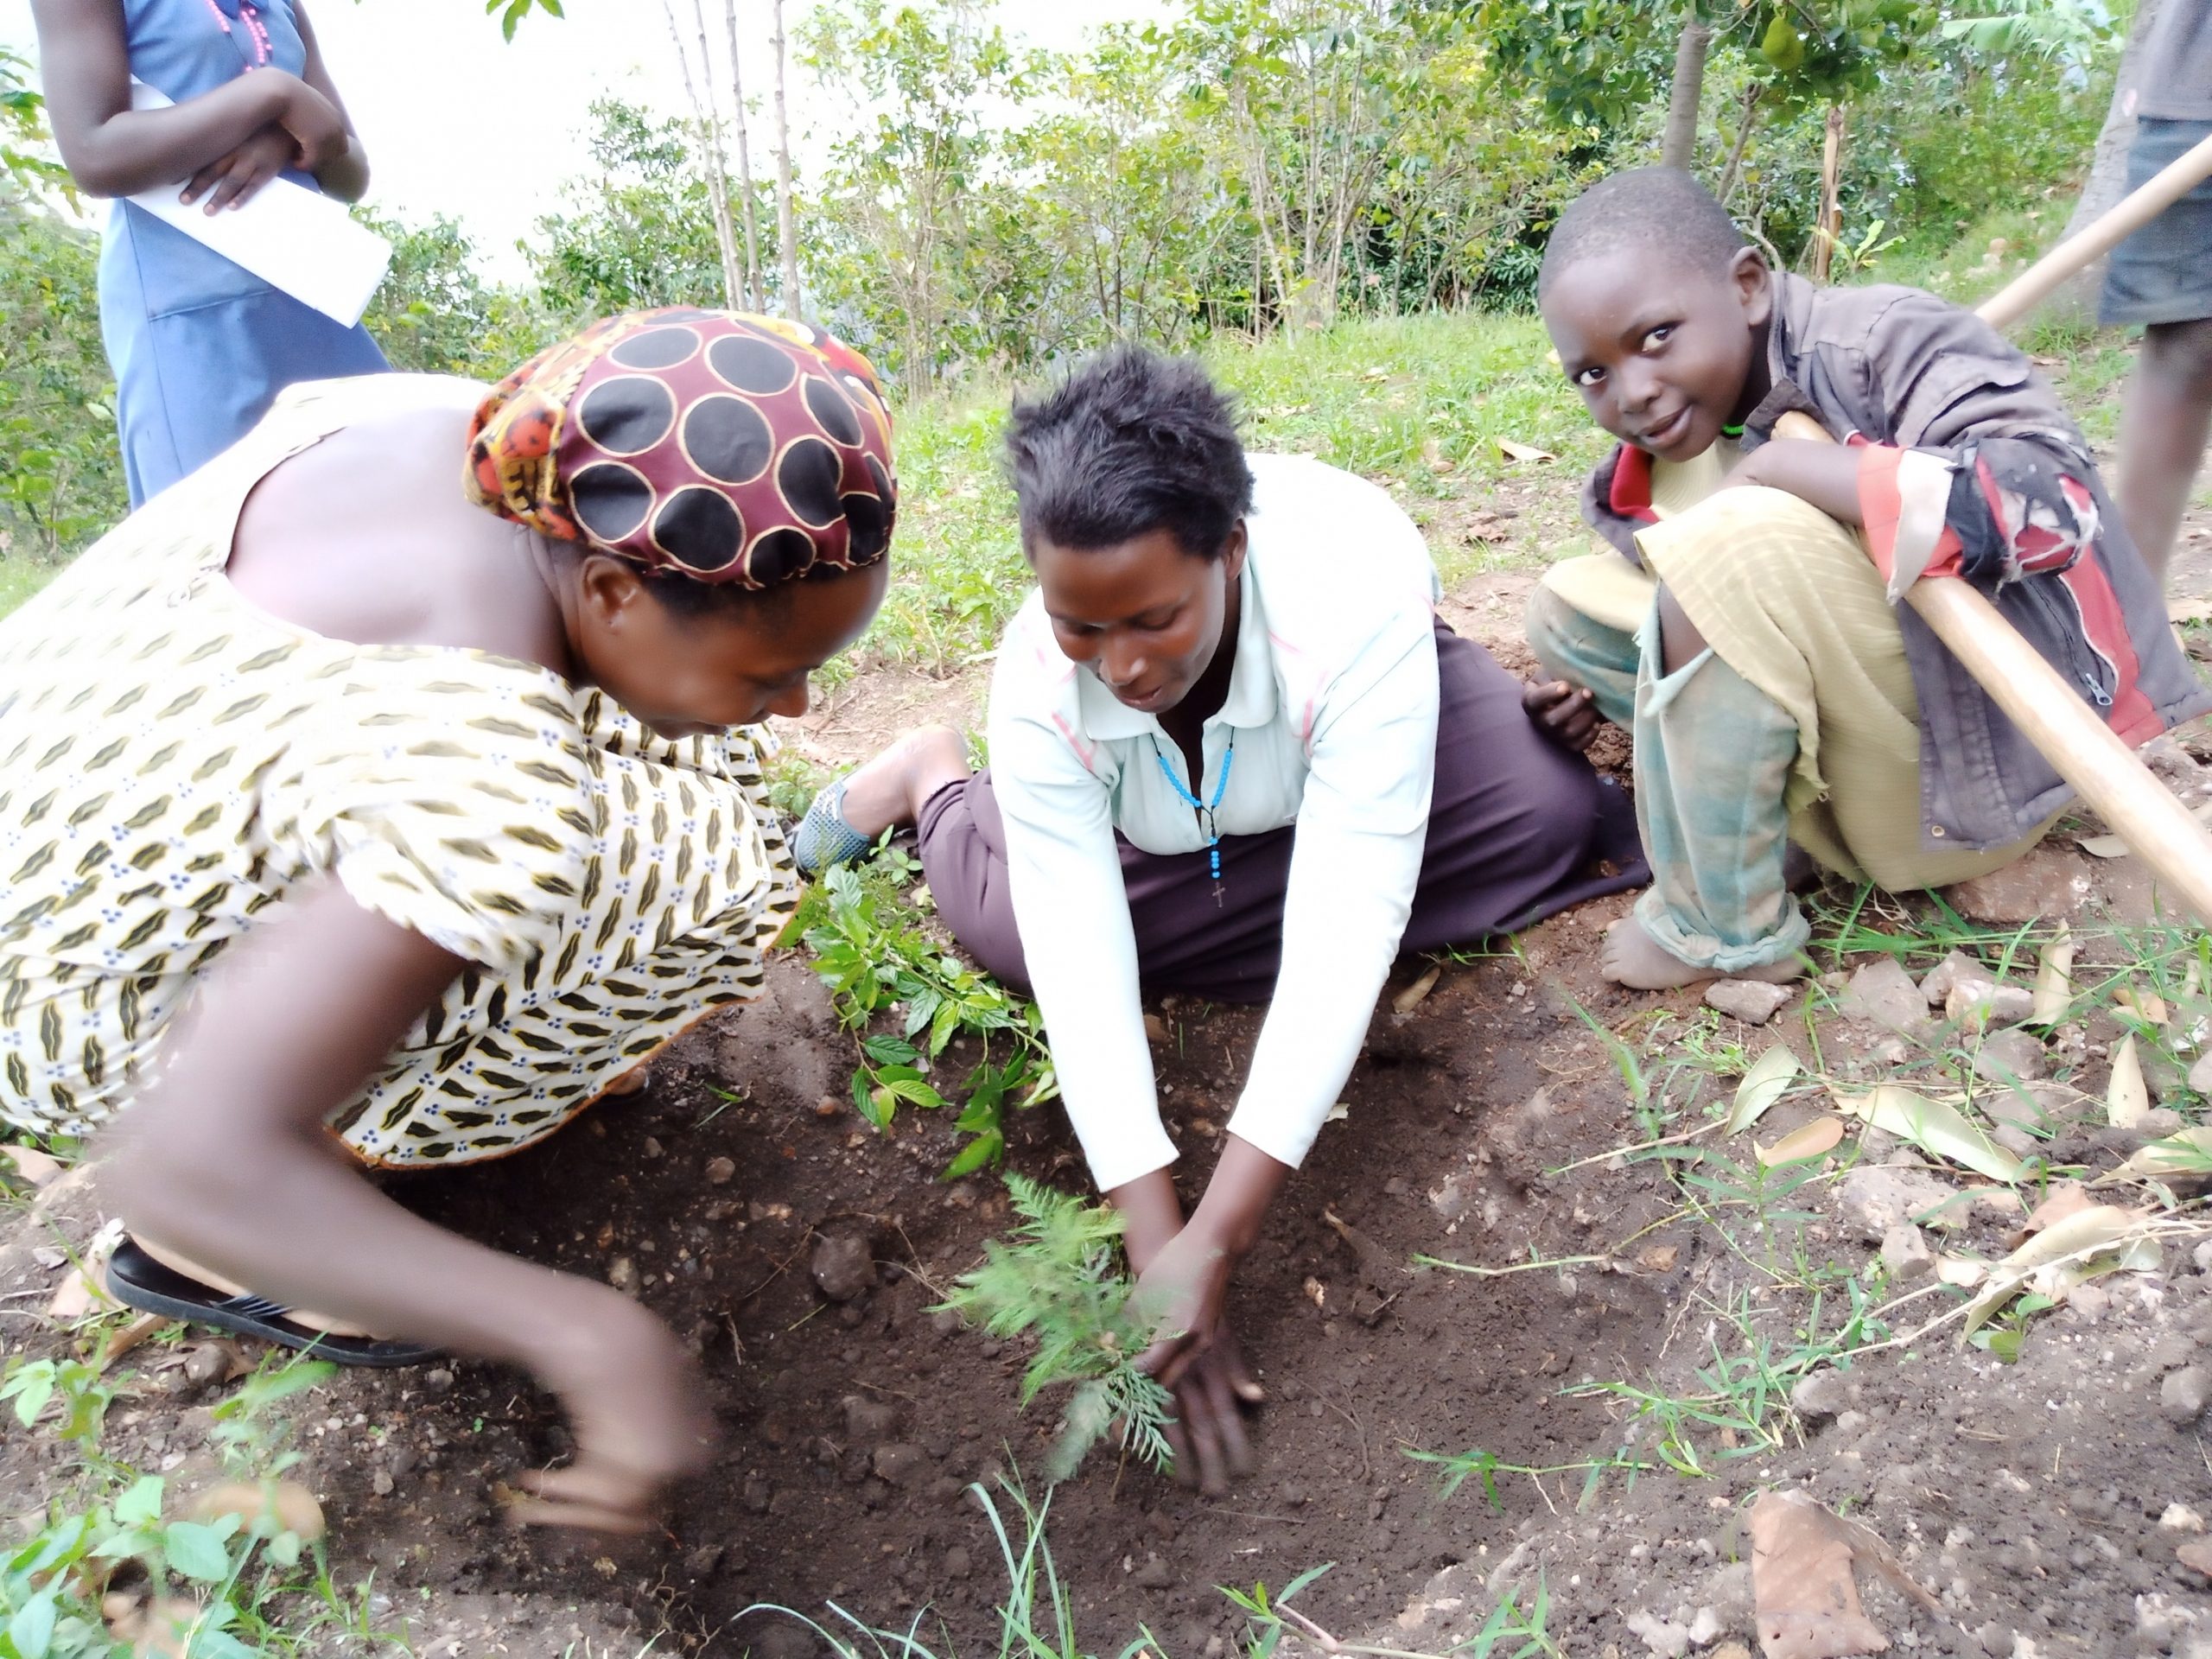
(1129,443)
(1648,213)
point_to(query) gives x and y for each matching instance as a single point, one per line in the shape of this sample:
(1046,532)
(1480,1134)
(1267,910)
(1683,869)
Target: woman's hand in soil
(1568,714)
(634,1403)
(1197,1359)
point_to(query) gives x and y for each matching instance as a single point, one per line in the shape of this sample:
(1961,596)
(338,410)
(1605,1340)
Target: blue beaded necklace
(1205,810)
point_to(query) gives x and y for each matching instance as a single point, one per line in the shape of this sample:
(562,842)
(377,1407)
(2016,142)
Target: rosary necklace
(1205,810)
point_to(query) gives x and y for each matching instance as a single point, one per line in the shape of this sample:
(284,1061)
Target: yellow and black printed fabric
(173,762)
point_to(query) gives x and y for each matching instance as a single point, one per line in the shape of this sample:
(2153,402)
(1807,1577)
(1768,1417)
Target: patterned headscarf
(719,445)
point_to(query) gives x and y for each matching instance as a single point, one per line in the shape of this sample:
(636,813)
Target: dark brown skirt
(1518,830)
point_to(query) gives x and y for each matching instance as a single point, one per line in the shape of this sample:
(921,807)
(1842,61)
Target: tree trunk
(711,140)
(1734,170)
(787,225)
(754,294)
(1829,230)
(1679,147)
(2076,299)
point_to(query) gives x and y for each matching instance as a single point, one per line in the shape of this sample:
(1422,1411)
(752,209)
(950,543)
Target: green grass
(20,579)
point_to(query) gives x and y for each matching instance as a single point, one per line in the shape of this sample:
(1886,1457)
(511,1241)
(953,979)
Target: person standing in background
(199,346)
(2161,277)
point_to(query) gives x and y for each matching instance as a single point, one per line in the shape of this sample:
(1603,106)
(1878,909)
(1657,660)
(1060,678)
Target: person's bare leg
(890,790)
(2163,428)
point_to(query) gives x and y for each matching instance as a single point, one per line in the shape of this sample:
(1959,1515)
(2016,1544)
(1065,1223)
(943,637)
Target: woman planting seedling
(1235,753)
(346,821)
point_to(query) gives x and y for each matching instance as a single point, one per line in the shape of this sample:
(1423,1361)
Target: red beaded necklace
(251,16)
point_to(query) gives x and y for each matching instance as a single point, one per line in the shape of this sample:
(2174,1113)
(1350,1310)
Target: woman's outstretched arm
(226,1161)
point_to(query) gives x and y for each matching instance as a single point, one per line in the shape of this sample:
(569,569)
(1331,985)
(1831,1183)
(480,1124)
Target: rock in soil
(1875,1199)
(1905,1255)
(1936,984)
(1819,1397)
(2009,1056)
(844,1266)
(2181,1397)
(2050,882)
(2179,1517)
(1752,1001)
(1979,1002)
(1883,993)
(900,1465)
(1154,1574)
(2200,1074)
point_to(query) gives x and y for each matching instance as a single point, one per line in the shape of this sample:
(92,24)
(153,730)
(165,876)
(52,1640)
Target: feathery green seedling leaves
(1061,1283)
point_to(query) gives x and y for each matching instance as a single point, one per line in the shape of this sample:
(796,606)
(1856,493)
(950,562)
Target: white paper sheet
(294,239)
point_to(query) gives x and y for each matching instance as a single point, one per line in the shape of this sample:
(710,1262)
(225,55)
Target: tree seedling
(1062,1282)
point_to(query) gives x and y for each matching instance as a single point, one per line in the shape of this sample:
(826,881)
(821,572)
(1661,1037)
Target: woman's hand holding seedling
(1183,1271)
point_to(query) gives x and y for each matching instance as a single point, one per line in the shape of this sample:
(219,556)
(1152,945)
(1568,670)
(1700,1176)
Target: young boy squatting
(1775,691)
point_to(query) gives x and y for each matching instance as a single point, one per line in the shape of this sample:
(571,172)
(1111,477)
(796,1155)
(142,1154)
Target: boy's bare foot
(892,788)
(1632,957)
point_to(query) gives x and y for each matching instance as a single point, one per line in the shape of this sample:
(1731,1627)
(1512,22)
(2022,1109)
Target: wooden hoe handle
(2102,770)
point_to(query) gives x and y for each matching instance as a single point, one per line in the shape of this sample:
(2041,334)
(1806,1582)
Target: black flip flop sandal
(135,1279)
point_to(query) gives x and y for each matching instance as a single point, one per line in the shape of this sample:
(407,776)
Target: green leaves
(878,962)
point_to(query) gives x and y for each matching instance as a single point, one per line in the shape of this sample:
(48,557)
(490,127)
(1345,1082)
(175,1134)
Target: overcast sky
(457,121)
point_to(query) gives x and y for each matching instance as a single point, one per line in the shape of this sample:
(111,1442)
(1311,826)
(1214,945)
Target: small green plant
(870,948)
(1270,1616)
(1061,1280)
(1484,1467)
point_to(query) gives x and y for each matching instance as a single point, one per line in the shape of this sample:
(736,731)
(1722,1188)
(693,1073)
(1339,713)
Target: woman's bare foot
(891,789)
(1632,957)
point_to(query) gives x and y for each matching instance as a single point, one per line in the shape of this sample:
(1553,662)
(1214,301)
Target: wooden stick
(2102,770)
(2138,208)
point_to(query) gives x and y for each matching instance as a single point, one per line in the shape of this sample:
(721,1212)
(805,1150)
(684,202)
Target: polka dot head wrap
(716,445)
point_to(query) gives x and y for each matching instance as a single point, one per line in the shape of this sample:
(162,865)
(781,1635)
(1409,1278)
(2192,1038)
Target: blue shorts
(2164,272)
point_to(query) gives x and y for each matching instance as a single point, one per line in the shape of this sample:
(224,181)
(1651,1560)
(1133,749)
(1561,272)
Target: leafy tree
(641,234)
(60,471)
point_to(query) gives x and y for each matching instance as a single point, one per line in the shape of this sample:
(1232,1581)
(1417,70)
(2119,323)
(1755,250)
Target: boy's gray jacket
(2027,520)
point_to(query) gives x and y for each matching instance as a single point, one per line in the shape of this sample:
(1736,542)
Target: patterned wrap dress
(173,762)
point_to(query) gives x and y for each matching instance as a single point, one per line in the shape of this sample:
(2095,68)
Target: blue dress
(201,346)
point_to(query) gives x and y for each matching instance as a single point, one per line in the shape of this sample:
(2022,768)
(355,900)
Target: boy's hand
(1568,714)
(1824,474)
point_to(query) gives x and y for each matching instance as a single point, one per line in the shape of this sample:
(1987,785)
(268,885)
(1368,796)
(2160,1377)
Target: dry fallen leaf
(1803,1589)
(1768,1079)
(1412,997)
(2093,1240)
(1932,1126)
(2103,846)
(2128,1102)
(1809,1141)
(2149,1004)
(2065,1199)
(2053,992)
(1657,1258)
(77,1295)
(2187,1153)
(1513,451)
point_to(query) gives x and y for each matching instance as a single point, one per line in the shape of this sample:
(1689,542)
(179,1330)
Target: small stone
(652,1148)
(1936,984)
(380,1483)
(2181,1397)
(622,1274)
(1704,1627)
(869,1419)
(1154,1574)
(2006,1057)
(2196,1555)
(901,1464)
(208,1363)
(2049,882)
(1665,1640)
(1905,1255)
(957,1562)
(721,1172)
(844,1266)
(1979,1002)
(1882,992)
(2179,1517)
(1732,1650)
(438,1381)
(1996,1641)
(2015,1140)
(1819,1397)
(757,1496)
(1877,1198)
(1752,1001)
(703,1562)
(1155,1029)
